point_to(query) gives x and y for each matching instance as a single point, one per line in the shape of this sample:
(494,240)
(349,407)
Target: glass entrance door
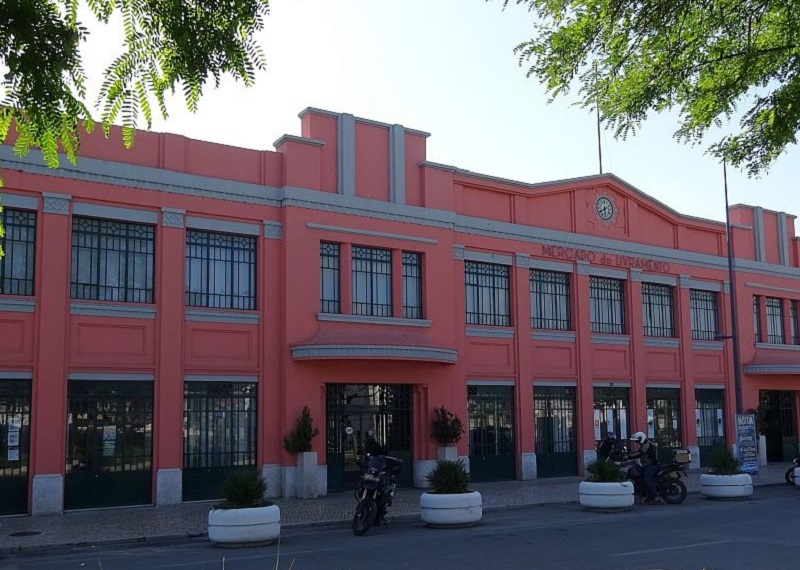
(664,420)
(611,412)
(710,418)
(15,441)
(491,433)
(554,435)
(779,424)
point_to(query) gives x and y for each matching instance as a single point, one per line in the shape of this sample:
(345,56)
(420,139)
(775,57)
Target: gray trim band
(223,226)
(620,274)
(659,279)
(556,266)
(250,379)
(522,260)
(490,382)
(19,202)
(662,342)
(346,154)
(17,305)
(128,311)
(668,385)
(216,316)
(490,332)
(783,239)
(345,230)
(111,377)
(555,383)
(689,283)
(758,233)
(789,347)
(395,321)
(708,345)
(23,375)
(555,336)
(771,287)
(483,257)
(173,217)
(772,369)
(273,230)
(295,138)
(431,354)
(114,213)
(625,384)
(709,386)
(621,340)
(397,164)
(54,203)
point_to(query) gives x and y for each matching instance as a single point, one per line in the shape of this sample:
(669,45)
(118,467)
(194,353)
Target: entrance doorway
(554,435)
(610,412)
(371,418)
(778,422)
(15,442)
(664,420)
(491,433)
(710,418)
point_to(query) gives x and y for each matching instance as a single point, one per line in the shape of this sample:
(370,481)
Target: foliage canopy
(714,60)
(446,426)
(299,439)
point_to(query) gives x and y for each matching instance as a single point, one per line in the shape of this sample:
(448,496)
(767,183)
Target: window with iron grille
(658,310)
(220,270)
(607,305)
(757,318)
(775,321)
(703,305)
(549,300)
(19,245)
(487,294)
(372,281)
(329,278)
(793,322)
(112,261)
(412,285)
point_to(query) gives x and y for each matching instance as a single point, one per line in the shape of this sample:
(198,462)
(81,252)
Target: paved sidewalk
(180,522)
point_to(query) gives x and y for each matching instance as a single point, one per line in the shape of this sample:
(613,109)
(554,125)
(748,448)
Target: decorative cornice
(554,336)
(483,257)
(458,252)
(361,319)
(658,279)
(621,340)
(772,368)
(225,226)
(56,203)
(768,346)
(636,275)
(546,265)
(216,316)
(343,351)
(619,274)
(273,230)
(370,233)
(294,138)
(173,217)
(690,283)
(662,342)
(114,213)
(127,311)
(13,305)
(487,332)
(19,202)
(582,267)
(772,287)
(522,260)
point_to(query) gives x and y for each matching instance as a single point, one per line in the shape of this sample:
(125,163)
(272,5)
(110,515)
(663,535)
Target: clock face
(605,208)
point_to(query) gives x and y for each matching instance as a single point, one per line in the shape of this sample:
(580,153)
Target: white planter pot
(797,476)
(617,495)
(464,509)
(244,527)
(726,486)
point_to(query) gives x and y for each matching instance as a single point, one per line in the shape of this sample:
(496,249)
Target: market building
(167,311)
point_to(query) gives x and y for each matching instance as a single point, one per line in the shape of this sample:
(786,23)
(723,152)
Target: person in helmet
(608,447)
(648,464)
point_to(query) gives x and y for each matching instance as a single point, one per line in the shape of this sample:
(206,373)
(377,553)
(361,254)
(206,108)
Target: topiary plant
(446,426)
(244,490)
(299,439)
(449,477)
(723,462)
(601,471)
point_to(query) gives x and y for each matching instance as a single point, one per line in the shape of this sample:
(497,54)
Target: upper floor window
(703,305)
(19,245)
(793,322)
(220,270)
(412,285)
(549,300)
(757,318)
(329,278)
(658,310)
(112,261)
(372,282)
(775,321)
(607,305)
(487,294)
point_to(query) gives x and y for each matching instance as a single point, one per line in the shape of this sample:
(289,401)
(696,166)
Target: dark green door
(710,419)
(371,418)
(777,418)
(664,421)
(554,431)
(15,441)
(109,444)
(219,435)
(491,433)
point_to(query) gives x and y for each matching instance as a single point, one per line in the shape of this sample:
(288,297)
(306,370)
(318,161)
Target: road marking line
(672,548)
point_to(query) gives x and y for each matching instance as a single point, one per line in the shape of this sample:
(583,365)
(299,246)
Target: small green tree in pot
(450,502)
(245,518)
(725,479)
(446,429)
(299,441)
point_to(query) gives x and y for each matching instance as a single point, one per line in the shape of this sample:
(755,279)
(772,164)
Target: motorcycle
(790,472)
(375,491)
(667,479)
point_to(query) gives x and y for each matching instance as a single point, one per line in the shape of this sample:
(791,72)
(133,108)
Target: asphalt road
(755,534)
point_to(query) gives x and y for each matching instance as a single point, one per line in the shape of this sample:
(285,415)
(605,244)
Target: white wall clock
(605,208)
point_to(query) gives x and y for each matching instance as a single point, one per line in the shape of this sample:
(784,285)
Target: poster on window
(109,440)
(623,424)
(14,424)
(597,425)
(13,454)
(651,428)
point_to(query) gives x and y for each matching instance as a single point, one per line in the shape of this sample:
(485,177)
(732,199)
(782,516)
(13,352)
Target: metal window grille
(487,294)
(703,305)
(372,282)
(710,417)
(554,419)
(412,285)
(15,427)
(219,420)
(329,278)
(612,405)
(757,318)
(664,411)
(607,305)
(549,300)
(220,270)
(775,321)
(19,246)
(793,322)
(658,310)
(112,261)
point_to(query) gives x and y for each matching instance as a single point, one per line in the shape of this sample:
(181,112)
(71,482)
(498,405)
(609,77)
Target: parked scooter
(667,479)
(790,472)
(375,491)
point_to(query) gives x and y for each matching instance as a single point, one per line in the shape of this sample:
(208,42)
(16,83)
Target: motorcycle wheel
(674,492)
(366,511)
(790,475)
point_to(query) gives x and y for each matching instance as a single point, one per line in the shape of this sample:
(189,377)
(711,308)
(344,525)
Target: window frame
(607,305)
(655,311)
(412,276)
(711,298)
(371,281)
(551,303)
(330,277)
(493,309)
(18,224)
(773,308)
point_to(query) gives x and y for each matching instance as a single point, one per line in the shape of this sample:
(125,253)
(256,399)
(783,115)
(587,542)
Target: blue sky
(447,67)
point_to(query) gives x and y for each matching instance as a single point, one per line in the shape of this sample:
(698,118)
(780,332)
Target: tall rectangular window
(549,300)
(19,245)
(606,301)
(372,282)
(775,321)
(488,289)
(658,310)
(412,285)
(793,322)
(757,319)
(329,278)
(112,261)
(703,305)
(220,270)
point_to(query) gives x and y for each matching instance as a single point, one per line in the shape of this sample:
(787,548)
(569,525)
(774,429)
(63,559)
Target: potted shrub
(450,502)
(725,479)
(246,518)
(299,442)
(446,429)
(604,488)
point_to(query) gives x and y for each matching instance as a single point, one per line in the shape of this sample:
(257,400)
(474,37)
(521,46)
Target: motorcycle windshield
(377,462)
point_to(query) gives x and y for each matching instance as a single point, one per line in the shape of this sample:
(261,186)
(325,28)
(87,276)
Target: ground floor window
(664,420)
(15,442)
(491,432)
(555,439)
(710,420)
(611,406)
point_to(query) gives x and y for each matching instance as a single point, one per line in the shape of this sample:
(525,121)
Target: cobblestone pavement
(179,522)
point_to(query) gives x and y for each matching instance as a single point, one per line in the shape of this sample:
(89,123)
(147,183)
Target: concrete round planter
(726,486)
(606,496)
(449,511)
(244,527)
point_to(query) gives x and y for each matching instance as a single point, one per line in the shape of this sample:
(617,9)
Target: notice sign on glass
(746,443)
(109,440)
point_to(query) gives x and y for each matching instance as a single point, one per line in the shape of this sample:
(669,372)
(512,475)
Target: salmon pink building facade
(167,311)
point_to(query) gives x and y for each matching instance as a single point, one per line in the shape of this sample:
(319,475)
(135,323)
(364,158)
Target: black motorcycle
(375,491)
(790,472)
(667,479)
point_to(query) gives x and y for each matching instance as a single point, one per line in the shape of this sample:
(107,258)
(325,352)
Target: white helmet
(638,437)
